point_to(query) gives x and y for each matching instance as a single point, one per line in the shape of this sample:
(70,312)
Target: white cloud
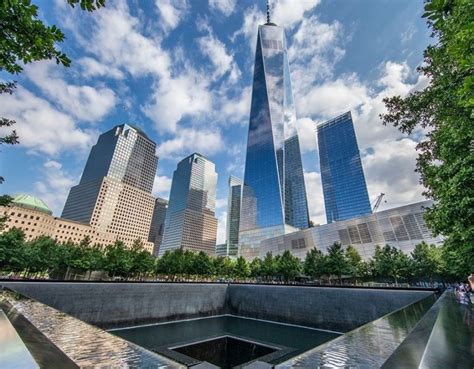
(189,140)
(390,169)
(55,186)
(222,61)
(235,109)
(41,127)
(115,37)
(314,51)
(84,102)
(171,12)
(92,68)
(289,12)
(333,97)
(253,17)
(221,203)
(306,134)
(226,7)
(175,98)
(161,186)
(314,194)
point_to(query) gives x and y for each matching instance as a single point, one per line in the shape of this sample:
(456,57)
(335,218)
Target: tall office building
(296,205)
(273,197)
(157,226)
(233,215)
(114,193)
(190,219)
(342,175)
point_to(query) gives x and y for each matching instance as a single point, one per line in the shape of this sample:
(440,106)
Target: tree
(241,268)
(288,266)
(336,261)
(268,268)
(41,255)
(314,263)
(117,261)
(427,261)
(4,201)
(12,250)
(445,108)
(391,262)
(142,262)
(25,39)
(202,264)
(355,266)
(256,268)
(223,266)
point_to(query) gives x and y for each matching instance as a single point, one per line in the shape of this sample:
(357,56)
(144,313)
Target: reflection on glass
(342,175)
(273,192)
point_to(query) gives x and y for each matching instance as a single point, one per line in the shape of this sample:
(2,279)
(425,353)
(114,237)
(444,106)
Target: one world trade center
(274,196)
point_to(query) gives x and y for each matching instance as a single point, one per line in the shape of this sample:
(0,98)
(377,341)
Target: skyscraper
(273,197)
(342,175)
(114,193)
(233,215)
(296,205)
(190,219)
(157,226)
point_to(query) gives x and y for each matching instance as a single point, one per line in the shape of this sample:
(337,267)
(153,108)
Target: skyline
(66,151)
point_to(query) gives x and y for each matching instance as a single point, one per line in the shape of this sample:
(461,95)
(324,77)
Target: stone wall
(338,309)
(123,304)
(110,305)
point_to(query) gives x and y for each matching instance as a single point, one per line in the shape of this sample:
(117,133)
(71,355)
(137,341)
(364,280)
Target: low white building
(402,227)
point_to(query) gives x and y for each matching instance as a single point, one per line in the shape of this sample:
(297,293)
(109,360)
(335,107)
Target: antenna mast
(268,11)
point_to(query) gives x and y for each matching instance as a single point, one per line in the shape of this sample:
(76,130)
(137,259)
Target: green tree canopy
(315,263)
(427,261)
(337,263)
(445,108)
(288,266)
(13,250)
(241,268)
(268,268)
(391,262)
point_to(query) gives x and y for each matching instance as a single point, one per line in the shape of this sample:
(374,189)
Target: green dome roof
(31,202)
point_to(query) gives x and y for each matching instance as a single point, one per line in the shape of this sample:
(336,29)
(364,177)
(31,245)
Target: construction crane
(378,200)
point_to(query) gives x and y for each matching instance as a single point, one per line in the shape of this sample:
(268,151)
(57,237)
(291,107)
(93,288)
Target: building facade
(402,227)
(190,218)
(35,219)
(296,204)
(114,193)
(234,199)
(342,175)
(157,227)
(270,162)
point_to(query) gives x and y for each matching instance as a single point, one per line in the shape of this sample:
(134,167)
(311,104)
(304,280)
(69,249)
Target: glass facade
(157,226)
(342,175)
(296,205)
(190,221)
(233,215)
(272,118)
(114,193)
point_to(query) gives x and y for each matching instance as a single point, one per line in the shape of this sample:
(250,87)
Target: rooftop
(31,202)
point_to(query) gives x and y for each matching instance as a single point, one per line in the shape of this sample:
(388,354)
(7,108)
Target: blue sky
(182,70)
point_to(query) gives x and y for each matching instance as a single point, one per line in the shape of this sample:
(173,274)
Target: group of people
(465,291)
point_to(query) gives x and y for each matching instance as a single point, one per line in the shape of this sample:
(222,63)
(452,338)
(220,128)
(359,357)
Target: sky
(181,70)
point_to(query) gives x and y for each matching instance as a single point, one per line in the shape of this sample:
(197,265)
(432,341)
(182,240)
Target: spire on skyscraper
(269,23)
(268,11)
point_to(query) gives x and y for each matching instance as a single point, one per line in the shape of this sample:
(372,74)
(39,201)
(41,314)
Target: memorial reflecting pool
(238,339)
